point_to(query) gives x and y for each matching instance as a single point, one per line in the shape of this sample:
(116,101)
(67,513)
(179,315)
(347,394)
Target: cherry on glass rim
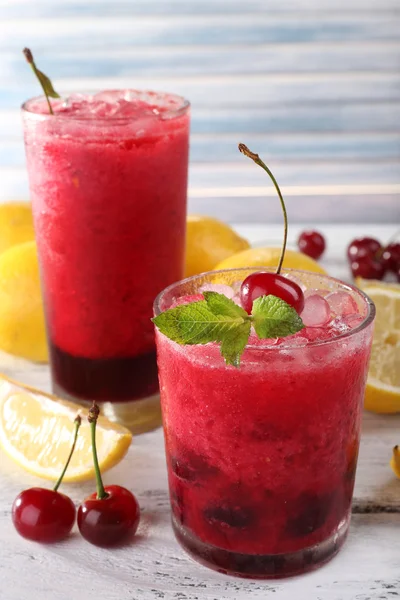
(111,514)
(265,284)
(44,515)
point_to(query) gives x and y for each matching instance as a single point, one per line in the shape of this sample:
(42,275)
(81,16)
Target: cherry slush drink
(108,182)
(262,458)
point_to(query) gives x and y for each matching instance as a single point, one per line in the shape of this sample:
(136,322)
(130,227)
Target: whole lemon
(208,241)
(16,224)
(22,328)
(269,257)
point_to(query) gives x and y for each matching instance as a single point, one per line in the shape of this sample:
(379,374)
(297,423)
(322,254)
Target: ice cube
(353,320)
(342,304)
(220,288)
(316,311)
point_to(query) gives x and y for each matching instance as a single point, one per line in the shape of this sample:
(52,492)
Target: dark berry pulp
(111,520)
(104,380)
(43,515)
(265,284)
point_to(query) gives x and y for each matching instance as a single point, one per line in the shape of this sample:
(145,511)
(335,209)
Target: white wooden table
(154,566)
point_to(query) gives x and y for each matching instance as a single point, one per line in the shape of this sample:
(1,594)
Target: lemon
(269,257)
(16,224)
(208,241)
(22,329)
(382,393)
(395,461)
(36,431)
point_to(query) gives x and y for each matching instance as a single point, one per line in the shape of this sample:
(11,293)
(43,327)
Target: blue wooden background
(312,85)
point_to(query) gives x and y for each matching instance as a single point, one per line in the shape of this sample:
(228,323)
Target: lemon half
(382,394)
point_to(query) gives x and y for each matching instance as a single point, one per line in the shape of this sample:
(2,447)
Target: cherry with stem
(44,515)
(111,514)
(263,283)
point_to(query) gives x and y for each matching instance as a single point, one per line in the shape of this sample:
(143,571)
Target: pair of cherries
(370,260)
(106,518)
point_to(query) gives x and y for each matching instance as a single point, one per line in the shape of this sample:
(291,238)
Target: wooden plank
(282,147)
(183,30)
(210,60)
(343,117)
(69,8)
(246,92)
(365,192)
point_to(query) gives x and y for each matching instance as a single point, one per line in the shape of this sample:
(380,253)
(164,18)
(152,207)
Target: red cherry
(367,268)
(311,243)
(391,256)
(43,515)
(109,521)
(264,284)
(361,247)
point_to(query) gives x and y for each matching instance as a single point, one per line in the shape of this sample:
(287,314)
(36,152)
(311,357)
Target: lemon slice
(36,431)
(382,394)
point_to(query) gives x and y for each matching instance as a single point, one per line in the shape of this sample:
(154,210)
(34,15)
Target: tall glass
(108,183)
(262,458)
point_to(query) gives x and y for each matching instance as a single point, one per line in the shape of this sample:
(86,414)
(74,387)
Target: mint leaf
(234,342)
(195,323)
(219,319)
(221,305)
(273,317)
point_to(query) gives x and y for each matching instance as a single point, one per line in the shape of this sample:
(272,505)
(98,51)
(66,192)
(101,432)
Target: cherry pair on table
(107,517)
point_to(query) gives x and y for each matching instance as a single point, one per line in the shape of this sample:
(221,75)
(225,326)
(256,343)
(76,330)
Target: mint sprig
(219,319)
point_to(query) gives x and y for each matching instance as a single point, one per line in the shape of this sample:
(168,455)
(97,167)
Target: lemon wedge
(382,393)
(36,431)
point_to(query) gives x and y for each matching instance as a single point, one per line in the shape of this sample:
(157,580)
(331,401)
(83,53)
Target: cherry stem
(77,422)
(254,157)
(94,412)
(29,59)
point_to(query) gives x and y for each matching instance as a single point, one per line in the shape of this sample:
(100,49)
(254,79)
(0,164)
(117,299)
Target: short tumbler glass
(262,458)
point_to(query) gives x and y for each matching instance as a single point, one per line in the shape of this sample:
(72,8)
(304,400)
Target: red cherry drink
(262,458)
(108,182)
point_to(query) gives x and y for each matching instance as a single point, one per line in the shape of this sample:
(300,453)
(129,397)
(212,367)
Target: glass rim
(182,108)
(368,319)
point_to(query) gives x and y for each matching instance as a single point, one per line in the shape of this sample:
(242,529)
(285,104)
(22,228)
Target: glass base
(137,415)
(260,566)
